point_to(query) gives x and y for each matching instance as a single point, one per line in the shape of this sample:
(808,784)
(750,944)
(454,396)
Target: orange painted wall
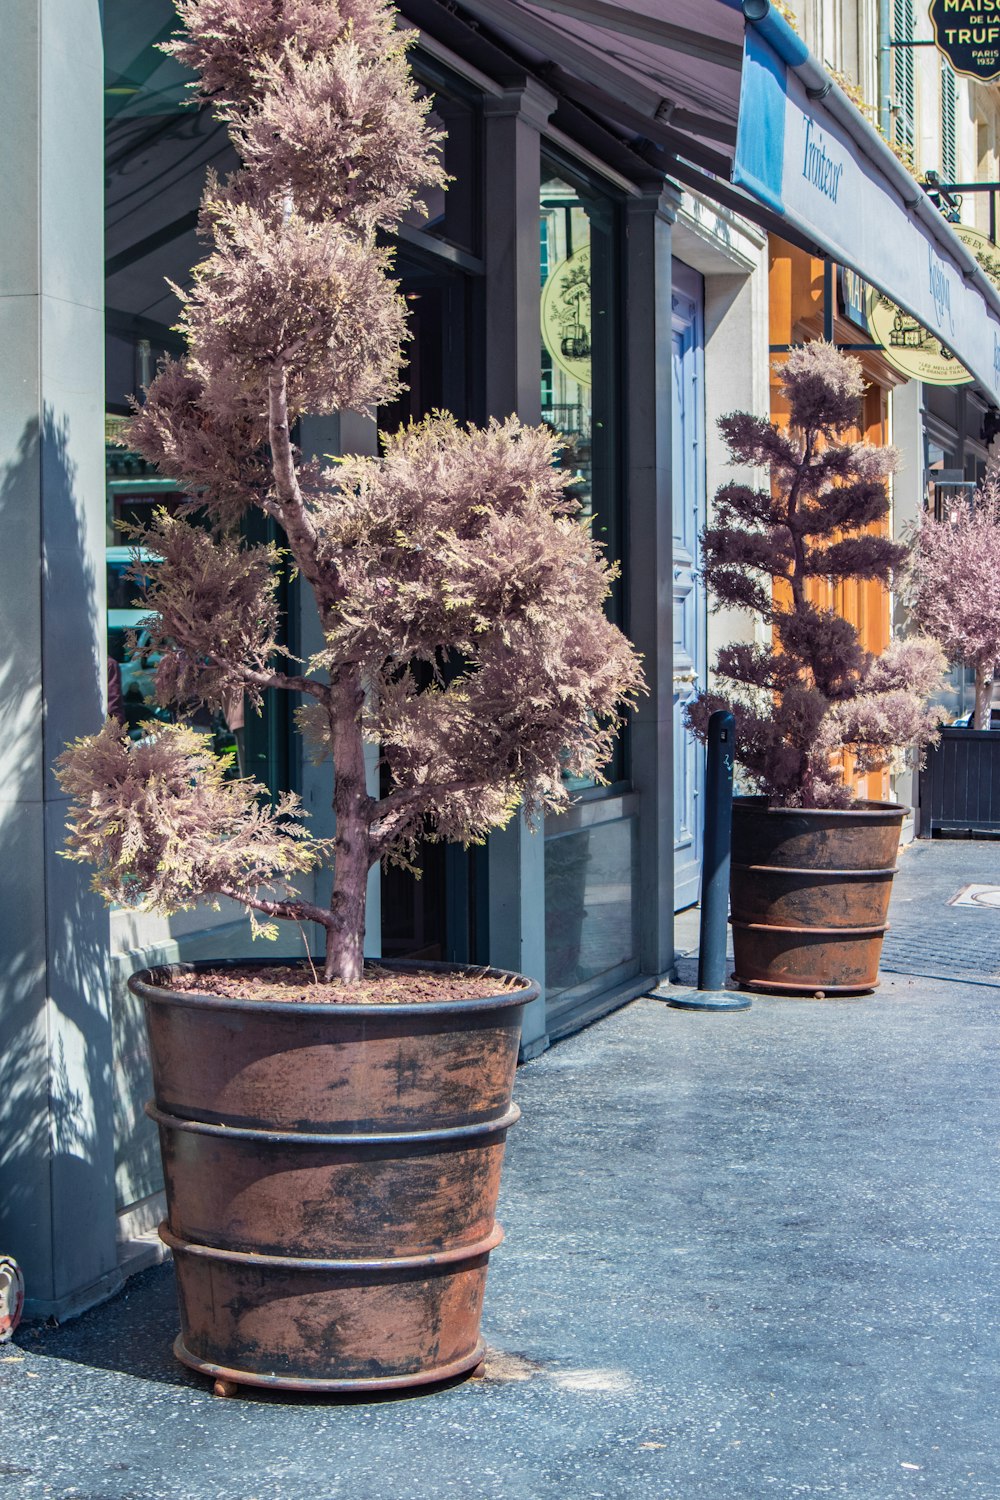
(796,316)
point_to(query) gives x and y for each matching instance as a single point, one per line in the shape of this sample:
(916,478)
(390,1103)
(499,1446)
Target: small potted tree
(812,865)
(332,1131)
(952,594)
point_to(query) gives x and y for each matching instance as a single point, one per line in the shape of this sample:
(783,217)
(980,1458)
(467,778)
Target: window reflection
(567,329)
(580,376)
(157,150)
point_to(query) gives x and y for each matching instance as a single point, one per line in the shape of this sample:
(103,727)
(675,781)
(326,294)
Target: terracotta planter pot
(332,1173)
(809,895)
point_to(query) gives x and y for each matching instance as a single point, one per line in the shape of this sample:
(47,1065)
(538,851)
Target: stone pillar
(650,557)
(57,1201)
(514,122)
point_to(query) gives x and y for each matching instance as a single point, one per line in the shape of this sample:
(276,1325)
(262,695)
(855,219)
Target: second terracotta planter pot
(809,895)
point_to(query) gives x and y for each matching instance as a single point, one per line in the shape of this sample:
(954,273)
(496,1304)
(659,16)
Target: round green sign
(983,248)
(907,345)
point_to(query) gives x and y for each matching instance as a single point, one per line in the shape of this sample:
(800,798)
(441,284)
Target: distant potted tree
(952,593)
(332,1133)
(812,865)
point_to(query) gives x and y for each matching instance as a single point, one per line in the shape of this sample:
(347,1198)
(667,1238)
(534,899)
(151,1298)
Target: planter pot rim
(349,1140)
(299,1263)
(154,985)
(859,809)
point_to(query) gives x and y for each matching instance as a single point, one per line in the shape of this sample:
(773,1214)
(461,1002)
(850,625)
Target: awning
(726,98)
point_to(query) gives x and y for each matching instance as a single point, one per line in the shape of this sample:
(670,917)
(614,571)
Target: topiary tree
(812,690)
(461,603)
(952,587)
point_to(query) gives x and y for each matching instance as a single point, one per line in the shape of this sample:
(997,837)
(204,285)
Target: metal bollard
(716,853)
(711,993)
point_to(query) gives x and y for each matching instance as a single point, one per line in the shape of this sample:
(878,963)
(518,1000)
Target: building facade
(562,277)
(946,127)
(590,267)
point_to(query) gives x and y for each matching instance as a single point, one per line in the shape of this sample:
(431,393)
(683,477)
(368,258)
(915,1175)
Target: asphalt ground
(747,1254)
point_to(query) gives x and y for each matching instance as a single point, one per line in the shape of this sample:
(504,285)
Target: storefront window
(942,470)
(157,151)
(452,215)
(580,362)
(590,855)
(436,910)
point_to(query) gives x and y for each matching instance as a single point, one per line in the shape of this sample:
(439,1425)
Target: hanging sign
(909,347)
(968,33)
(566,315)
(982,247)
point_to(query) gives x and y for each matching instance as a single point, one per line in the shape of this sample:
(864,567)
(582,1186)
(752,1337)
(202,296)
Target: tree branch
(290,911)
(391,812)
(290,508)
(285,680)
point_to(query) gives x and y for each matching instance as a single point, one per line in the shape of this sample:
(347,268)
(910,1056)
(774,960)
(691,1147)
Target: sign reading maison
(968,33)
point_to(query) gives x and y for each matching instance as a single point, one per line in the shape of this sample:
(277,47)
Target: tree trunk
(345,940)
(984,696)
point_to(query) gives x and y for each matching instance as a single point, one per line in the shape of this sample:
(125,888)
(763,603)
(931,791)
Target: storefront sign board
(795,157)
(968,33)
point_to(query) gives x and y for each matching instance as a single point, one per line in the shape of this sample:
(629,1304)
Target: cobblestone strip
(926,935)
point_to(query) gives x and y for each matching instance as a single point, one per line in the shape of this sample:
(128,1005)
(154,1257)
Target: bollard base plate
(689,999)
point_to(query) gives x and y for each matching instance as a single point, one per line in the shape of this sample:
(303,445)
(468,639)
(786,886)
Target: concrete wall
(56,1135)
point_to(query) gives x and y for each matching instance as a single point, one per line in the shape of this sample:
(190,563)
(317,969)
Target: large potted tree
(332,1130)
(952,594)
(811,863)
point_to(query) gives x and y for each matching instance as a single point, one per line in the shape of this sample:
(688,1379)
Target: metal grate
(985,897)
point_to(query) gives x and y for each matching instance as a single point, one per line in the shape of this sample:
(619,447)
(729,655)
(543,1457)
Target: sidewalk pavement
(747,1254)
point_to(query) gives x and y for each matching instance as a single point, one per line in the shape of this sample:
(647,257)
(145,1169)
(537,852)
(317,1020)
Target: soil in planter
(296,985)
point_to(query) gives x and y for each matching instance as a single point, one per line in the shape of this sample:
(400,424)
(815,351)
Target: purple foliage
(812,690)
(460,600)
(953,586)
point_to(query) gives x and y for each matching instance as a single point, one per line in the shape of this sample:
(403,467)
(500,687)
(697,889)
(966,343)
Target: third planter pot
(809,895)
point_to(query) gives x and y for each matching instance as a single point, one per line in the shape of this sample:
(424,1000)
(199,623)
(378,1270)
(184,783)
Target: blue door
(688,595)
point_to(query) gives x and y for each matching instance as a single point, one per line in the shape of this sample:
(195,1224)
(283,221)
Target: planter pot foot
(805,991)
(226,1381)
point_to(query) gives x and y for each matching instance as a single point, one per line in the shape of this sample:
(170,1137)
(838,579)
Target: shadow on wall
(56,1127)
